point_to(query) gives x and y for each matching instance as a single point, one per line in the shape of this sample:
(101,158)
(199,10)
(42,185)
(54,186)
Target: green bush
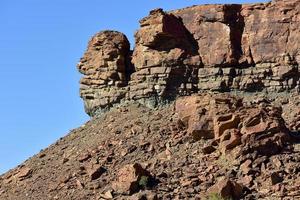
(144,181)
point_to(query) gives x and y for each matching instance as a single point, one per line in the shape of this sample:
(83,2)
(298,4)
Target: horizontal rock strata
(222,48)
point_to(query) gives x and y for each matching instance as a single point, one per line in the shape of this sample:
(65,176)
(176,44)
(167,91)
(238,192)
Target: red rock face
(224,48)
(217,29)
(106,68)
(165,58)
(231,123)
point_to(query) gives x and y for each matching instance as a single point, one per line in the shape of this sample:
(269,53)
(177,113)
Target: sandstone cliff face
(106,70)
(224,48)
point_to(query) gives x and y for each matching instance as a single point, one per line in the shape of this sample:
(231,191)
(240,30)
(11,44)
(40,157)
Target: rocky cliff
(221,48)
(225,83)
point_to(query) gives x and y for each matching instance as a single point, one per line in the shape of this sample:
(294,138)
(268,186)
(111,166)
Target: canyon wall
(207,48)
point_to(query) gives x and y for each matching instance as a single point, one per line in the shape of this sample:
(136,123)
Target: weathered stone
(277,163)
(105,65)
(83,157)
(246,166)
(226,189)
(246,180)
(129,177)
(225,122)
(94,170)
(23,173)
(144,195)
(259,127)
(230,139)
(208,149)
(107,195)
(275,178)
(170,55)
(248,48)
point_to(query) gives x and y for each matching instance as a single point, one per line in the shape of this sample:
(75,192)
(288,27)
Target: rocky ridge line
(220,48)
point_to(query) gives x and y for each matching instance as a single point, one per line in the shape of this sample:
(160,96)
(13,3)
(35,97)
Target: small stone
(144,195)
(79,184)
(65,178)
(65,160)
(84,157)
(259,161)
(94,170)
(246,180)
(277,187)
(276,162)
(23,173)
(275,178)
(107,195)
(246,166)
(186,183)
(42,155)
(208,149)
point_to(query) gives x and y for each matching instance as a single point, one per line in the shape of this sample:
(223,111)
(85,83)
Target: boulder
(131,178)
(23,173)
(94,170)
(106,67)
(227,189)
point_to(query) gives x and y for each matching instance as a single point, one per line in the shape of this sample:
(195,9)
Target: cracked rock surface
(206,48)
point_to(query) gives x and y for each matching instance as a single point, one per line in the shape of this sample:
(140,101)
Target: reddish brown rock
(246,35)
(83,157)
(165,58)
(230,139)
(129,177)
(246,166)
(258,127)
(225,122)
(213,27)
(226,189)
(94,170)
(246,180)
(249,48)
(23,173)
(106,68)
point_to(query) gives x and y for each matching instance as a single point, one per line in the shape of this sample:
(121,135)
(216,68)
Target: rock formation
(225,82)
(223,48)
(232,123)
(106,70)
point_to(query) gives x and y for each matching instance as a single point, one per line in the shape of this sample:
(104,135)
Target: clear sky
(40,43)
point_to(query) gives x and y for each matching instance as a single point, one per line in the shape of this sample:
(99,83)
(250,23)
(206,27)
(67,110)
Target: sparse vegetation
(224,162)
(216,196)
(144,181)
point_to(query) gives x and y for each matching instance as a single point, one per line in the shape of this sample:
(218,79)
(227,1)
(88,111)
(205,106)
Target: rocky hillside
(206,106)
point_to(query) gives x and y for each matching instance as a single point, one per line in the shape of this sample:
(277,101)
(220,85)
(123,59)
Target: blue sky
(40,44)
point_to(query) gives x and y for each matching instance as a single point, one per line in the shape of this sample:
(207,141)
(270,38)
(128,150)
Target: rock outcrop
(106,68)
(228,77)
(231,123)
(223,48)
